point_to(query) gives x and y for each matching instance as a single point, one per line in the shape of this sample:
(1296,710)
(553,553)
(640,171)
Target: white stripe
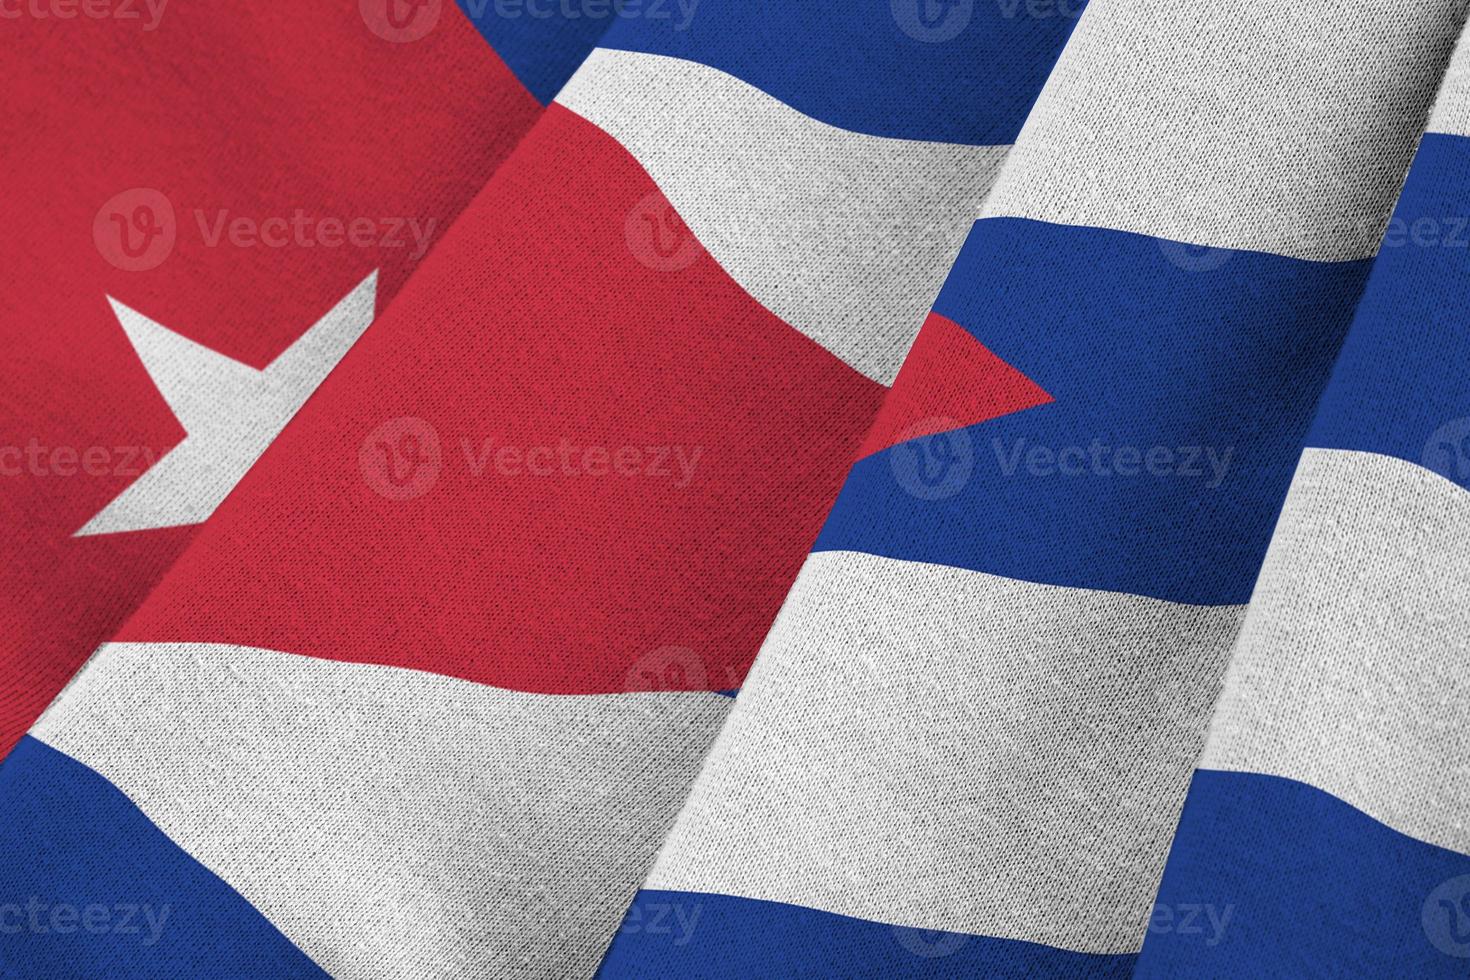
(946,749)
(394,823)
(1353,668)
(1253,124)
(1452,107)
(845,236)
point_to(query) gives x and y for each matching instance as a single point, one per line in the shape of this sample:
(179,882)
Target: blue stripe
(967,74)
(89,887)
(1184,384)
(1402,387)
(720,937)
(541,41)
(1314,888)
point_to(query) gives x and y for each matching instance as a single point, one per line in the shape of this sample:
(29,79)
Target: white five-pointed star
(230,411)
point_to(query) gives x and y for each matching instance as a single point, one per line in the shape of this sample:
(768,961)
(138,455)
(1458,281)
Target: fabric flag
(209,205)
(965,744)
(1329,810)
(1068,408)
(423,695)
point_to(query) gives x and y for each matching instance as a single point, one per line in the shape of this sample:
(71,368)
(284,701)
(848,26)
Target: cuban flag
(210,206)
(423,694)
(964,747)
(1328,810)
(696,488)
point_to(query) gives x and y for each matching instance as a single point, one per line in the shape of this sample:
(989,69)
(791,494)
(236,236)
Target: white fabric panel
(1249,124)
(947,749)
(394,823)
(1452,107)
(1352,672)
(845,236)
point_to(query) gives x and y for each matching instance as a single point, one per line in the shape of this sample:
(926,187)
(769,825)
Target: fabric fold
(978,712)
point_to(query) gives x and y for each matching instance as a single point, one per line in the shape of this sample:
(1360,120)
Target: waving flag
(422,696)
(1334,774)
(963,749)
(209,203)
(500,380)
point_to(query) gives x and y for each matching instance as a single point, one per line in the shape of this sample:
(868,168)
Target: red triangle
(949,380)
